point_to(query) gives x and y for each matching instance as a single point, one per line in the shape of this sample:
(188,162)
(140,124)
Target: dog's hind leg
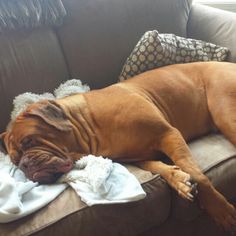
(221,97)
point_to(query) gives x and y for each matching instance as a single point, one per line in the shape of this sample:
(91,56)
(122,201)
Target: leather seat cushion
(68,215)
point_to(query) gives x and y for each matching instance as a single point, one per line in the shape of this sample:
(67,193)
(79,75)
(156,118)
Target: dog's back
(125,114)
(179,92)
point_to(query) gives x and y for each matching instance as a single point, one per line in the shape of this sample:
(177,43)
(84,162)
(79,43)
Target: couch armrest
(213,25)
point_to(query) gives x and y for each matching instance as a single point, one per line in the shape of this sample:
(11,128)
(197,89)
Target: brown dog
(132,121)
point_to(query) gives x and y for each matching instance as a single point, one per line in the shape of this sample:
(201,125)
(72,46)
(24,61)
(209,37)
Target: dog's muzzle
(44,167)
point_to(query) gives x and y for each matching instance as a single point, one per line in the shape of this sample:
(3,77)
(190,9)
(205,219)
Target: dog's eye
(27,142)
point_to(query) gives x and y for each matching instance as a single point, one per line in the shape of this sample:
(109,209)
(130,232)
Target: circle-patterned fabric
(155,50)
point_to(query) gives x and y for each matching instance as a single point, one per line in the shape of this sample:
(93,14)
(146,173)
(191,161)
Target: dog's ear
(2,143)
(51,113)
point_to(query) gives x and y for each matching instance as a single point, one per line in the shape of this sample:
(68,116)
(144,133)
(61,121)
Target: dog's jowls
(157,111)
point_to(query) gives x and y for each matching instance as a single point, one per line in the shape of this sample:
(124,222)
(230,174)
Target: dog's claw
(194,190)
(188,183)
(190,195)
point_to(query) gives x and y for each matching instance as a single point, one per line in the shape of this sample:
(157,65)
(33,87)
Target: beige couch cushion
(212,150)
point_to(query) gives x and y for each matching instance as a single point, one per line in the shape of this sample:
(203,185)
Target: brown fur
(157,111)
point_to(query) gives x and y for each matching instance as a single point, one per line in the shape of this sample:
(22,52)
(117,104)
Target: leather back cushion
(213,25)
(29,62)
(96,38)
(98,35)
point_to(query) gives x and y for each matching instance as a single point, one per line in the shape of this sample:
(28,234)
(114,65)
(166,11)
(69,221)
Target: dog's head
(36,142)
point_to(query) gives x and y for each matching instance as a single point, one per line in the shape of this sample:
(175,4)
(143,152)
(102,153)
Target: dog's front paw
(181,182)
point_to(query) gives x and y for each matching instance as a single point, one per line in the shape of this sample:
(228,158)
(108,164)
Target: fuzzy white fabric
(70,87)
(100,181)
(65,89)
(95,179)
(21,102)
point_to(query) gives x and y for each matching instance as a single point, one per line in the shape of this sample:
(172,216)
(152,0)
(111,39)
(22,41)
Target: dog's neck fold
(84,126)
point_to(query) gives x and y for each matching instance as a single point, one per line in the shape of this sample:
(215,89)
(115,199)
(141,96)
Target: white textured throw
(19,196)
(100,181)
(95,179)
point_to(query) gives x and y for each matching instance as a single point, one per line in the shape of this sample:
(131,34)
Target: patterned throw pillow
(155,50)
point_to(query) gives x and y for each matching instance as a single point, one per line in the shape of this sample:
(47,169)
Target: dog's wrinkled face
(34,142)
(44,166)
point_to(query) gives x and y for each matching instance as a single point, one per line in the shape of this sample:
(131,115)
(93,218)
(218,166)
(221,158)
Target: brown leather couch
(92,44)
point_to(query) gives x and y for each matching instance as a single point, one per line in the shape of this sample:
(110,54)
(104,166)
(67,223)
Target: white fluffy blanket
(96,180)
